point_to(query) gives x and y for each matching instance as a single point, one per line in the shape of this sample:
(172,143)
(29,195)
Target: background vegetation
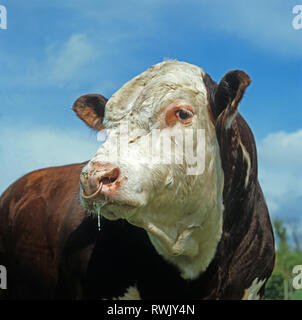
(288,254)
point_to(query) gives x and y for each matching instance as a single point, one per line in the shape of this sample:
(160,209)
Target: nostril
(99,180)
(110,177)
(92,195)
(107,180)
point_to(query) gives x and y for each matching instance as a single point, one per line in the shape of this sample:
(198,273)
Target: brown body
(34,211)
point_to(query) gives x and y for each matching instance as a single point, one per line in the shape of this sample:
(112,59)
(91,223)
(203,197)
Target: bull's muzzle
(99,179)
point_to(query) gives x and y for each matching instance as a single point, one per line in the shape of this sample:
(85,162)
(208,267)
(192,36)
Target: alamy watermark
(3,17)
(157,146)
(297,21)
(297,280)
(3,278)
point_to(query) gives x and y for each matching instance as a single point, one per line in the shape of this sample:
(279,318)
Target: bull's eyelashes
(182,114)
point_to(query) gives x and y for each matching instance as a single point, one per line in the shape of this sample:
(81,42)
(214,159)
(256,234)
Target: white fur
(230,120)
(248,163)
(181,213)
(252,293)
(131,293)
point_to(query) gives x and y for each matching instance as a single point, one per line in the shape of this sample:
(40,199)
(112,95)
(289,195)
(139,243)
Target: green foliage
(297,295)
(274,287)
(279,286)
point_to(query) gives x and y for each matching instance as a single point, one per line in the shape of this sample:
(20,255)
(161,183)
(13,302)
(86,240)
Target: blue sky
(55,51)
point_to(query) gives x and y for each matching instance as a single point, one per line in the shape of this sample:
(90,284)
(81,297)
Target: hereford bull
(136,228)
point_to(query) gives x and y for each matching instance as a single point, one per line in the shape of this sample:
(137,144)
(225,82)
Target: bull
(169,207)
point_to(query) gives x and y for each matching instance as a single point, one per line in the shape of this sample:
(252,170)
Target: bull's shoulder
(37,198)
(42,180)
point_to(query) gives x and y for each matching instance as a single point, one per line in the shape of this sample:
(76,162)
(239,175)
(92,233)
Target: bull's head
(160,166)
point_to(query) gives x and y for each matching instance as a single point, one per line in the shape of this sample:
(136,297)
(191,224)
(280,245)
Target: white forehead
(149,87)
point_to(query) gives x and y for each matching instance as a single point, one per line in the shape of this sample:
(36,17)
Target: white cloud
(24,148)
(63,63)
(115,34)
(280,173)
(266,24)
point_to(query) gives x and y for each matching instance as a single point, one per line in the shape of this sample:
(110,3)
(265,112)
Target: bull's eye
(184,115)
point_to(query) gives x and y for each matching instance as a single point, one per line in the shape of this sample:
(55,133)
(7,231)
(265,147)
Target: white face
(173,199)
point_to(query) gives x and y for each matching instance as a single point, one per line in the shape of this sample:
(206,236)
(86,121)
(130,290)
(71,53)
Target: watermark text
(297,281)
(3,17)
(3,277)
(169,146)
(297,21)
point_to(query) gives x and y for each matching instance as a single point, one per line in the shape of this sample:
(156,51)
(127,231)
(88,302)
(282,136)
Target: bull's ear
(228,95)
(90,108)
